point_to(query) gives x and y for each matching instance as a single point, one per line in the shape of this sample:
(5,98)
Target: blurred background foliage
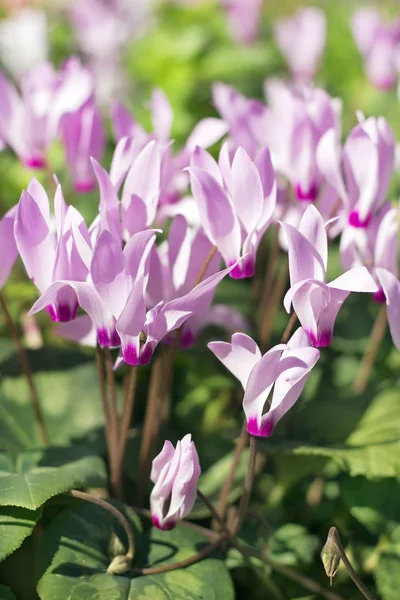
(335,458)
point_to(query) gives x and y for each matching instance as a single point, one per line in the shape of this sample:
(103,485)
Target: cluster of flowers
(282,164)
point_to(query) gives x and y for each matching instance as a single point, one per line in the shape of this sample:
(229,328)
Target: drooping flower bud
(175,473)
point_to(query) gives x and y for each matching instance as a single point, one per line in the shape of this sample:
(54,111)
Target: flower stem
(191,560)
(272,307)
(227,487)
(306,582)
(375,339)
(249,552)
(124,430)
(289,328)
(115,512)
(333,551)
(149,427)
(248,483)
(113,415)
(104,402)
(205,265)
(27,370)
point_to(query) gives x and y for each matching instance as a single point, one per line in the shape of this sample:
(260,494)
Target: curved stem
(191,560)
(248,483)
(28,371)
(115,512)
(248,552)
(333,551)
(306,582)
(375,339)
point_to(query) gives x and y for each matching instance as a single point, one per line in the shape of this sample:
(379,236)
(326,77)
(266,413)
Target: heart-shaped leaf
(16,524)
(37,475)
(73,560)
(372,449)
(69,397)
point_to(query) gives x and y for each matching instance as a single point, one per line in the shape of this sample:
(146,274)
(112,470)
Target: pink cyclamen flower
(282,373)
(296,121)
(236,203)
(24,118)
(386,270)
(8,247)
(173,180)
(243,18)
(50,255)
(316,302)
(368,161)
(243,118)
(175,474)
(301,39)
(174,268)
(379,44)
(114,297)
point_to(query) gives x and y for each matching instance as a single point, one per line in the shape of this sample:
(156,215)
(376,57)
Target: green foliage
(6,593)
(32,477)
(74,557)
(16,524)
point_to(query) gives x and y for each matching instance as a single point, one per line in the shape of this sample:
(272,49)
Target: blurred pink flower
(379,43)
(301,39)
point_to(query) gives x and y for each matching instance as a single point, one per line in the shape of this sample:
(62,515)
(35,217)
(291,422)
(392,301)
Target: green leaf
(69,399)
(372,449)
(387,576)
(35,476)
(6,593)
(73,560)
(373,503)
(16,524)
(292,545)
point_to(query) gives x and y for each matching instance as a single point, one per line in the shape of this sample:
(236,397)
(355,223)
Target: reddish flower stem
(377,334)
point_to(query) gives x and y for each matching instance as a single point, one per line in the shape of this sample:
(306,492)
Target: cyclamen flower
(236,203)
(316,302)
(386,270)
(8,248)
(23,119)
(114,297)
(76,119)
(282,373)
(174,267)
(24,40)
(243,117)
(368,162)
(175,474)
(295,123)
(301,39)
(173,180)
(243,18)
(47,255)
(379,44)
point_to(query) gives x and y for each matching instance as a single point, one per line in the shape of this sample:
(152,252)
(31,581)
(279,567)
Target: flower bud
(175,473)
(330,555)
